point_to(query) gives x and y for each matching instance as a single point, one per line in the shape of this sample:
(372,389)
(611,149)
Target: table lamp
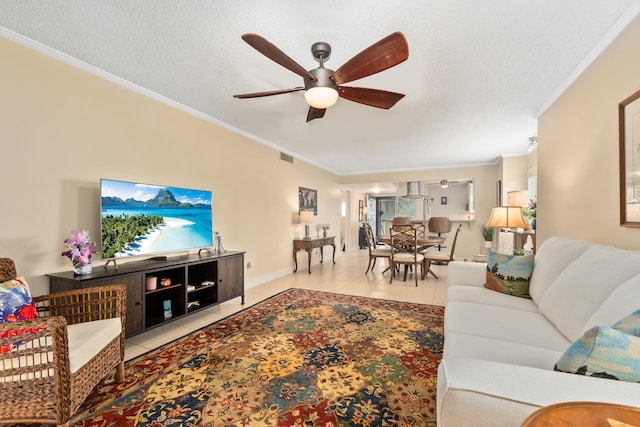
(505,217)
(306,218)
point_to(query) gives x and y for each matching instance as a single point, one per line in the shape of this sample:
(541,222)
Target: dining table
(423,243)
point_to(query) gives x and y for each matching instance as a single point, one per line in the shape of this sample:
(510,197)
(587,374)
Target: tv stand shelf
(223,273)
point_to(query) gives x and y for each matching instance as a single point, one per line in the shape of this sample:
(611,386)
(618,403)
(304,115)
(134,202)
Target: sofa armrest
(466,273)
(485,393)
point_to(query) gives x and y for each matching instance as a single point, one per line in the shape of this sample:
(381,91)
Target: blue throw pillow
(630,324)
(603,352)
(509,274)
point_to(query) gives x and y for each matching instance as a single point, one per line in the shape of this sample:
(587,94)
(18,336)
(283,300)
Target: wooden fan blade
(269,93)
(384,54)
(372,97)
(270,50)
(315,113)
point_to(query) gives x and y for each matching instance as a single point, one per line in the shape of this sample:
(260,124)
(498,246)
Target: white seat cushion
(88,338)
(401,257)
(509,335)
(381,252)
(482,295)
(437,256)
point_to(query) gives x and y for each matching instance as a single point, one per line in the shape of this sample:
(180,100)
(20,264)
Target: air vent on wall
(286,157)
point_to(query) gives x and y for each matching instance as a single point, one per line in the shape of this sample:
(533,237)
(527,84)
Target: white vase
(82,270)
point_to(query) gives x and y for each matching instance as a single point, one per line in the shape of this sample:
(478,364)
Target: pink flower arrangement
(80,248)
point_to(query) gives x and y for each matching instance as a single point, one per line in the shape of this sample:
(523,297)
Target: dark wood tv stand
(145,308)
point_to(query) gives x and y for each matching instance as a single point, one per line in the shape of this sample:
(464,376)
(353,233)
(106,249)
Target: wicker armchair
(51,364)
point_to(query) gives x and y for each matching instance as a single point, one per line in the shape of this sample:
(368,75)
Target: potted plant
(487,235)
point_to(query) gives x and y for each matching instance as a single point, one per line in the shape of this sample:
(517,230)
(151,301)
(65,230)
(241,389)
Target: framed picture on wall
(629,145)
(307,200)
(443,200)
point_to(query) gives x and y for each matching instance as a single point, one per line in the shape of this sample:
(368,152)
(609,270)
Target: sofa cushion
(553,256)
(509,335)
(603,352)
(509,274)
(624,299)
(630,324)
(482,295)
(578,291)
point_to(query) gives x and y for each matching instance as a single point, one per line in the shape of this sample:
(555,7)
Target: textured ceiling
(478,72)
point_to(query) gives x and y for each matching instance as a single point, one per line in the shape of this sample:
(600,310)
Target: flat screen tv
(142,219)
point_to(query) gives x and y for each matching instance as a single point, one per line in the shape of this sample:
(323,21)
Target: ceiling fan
(322,86)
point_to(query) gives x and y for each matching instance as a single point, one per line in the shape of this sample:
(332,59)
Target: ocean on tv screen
(156,220)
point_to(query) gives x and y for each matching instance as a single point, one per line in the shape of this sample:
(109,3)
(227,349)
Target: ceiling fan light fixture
(321,97)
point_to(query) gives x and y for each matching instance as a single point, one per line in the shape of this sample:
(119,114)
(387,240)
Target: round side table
(584,414)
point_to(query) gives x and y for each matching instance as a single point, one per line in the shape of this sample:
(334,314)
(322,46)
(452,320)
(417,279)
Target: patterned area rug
(300,358)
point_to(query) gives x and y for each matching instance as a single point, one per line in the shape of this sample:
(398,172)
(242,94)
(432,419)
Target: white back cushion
(584,286)
(553,256)
(623,301)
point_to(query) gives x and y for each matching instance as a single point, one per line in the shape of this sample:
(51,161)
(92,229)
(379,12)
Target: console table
(196,282)
(309,244)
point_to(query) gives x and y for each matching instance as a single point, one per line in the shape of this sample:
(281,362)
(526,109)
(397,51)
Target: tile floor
(346,277)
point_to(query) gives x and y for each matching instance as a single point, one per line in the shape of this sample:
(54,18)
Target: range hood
(413,190)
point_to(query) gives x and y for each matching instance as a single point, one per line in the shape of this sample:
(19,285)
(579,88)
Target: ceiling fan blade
(372,97)
(384,54)
(269,93)
(270,50)
(315,113)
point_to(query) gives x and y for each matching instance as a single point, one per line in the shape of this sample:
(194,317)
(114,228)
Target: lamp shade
(306,217)
(507,217)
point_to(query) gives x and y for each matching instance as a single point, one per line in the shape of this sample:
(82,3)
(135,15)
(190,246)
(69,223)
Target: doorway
(385,211)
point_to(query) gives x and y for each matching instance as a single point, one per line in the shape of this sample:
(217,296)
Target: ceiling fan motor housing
(323,79)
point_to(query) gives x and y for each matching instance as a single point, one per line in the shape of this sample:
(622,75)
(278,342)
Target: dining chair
(374,251)
(442,257)
(400,220)
(439,224)
(404,251)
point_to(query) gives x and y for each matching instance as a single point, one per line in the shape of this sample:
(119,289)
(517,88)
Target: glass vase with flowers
(79,251)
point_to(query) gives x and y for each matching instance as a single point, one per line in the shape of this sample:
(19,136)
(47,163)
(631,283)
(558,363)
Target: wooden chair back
(439,224)
(7,269)
(404,250)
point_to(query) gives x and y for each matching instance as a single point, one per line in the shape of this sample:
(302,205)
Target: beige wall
(578,191)
(63,129)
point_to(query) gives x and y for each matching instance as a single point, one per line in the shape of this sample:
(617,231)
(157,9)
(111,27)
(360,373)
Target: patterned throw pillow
(509,274)
(16,304)
(630,324)
(603,352)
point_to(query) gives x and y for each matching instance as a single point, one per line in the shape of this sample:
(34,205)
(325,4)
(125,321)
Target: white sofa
(500,350)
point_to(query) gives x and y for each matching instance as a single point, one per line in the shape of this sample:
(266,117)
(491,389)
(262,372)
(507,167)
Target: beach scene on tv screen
(140,219)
